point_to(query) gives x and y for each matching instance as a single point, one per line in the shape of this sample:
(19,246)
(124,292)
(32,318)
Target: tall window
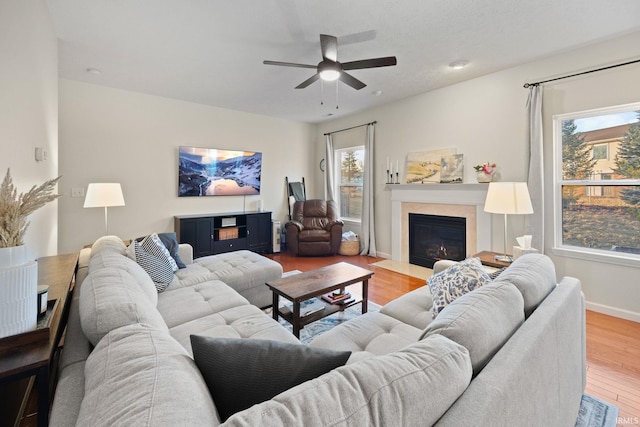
(597,181)
(351,161)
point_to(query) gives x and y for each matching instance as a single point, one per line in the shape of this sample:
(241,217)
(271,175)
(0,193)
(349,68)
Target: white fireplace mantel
(448,195)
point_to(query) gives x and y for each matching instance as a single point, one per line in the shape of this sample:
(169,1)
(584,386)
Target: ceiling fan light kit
(329,69)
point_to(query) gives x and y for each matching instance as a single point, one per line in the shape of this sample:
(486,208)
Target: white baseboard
(613,311)
(383,255)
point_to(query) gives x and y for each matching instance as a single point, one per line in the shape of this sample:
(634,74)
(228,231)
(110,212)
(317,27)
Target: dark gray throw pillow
(170,241)
(243,372)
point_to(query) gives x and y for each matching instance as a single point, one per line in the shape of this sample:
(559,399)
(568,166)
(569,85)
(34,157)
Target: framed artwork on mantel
(452,169)
(424,167)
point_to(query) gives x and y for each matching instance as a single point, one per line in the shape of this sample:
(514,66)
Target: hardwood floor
(613,344)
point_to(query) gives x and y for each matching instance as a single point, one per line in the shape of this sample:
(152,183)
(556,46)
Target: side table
(35,358)
(488,258)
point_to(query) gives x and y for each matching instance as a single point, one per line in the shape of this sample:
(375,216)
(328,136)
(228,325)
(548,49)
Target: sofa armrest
(335,223)
(295,224)
(185,251)
(83,264)
(442,265)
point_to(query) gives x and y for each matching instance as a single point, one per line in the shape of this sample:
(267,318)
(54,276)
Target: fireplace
(436,237)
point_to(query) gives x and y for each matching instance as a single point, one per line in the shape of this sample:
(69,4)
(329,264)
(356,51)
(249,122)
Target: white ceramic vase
(18,291)
(484,177)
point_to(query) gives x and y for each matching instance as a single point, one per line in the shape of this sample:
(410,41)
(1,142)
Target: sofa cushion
(246,321)
(154,246)
(181,305)
(404,388)
(241,270)
(535,277)
(413,308)
(140,376)
(481,321)
(456,281)
(368,335)
(113,260)
(109,299)
(241,373)
(159,269)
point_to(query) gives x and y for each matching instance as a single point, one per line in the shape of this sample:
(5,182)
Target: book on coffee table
(336,297)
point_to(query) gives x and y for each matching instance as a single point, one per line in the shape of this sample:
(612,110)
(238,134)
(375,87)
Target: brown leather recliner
(315,228)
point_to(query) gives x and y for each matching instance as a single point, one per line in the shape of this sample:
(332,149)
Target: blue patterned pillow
(456,281)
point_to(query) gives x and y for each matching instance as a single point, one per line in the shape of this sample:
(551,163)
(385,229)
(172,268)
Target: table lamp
(104,195)
(508,198)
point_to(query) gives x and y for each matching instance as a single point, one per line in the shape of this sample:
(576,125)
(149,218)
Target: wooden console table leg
(42,378)
(365,295)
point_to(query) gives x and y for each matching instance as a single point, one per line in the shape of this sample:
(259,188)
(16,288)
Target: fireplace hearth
(436,237)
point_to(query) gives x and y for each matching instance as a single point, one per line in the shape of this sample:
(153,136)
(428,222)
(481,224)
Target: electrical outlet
(77,192)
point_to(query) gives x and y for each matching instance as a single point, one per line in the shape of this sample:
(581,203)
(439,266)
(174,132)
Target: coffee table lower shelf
(329,309)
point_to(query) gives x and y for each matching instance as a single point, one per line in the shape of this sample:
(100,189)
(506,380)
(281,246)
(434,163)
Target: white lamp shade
(508,198)
(102,194)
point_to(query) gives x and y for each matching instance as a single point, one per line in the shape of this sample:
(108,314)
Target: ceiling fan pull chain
(321,92)
(337,98)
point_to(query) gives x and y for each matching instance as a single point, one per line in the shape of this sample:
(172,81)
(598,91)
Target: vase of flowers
(485,172)
(18,268)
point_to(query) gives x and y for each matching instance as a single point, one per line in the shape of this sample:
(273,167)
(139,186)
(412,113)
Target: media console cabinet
(211,234)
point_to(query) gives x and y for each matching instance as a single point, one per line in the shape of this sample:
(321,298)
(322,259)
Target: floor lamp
(508,198)
(104,195)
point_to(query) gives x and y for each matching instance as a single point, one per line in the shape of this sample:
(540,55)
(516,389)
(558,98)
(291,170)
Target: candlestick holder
(388,177)
(397,177)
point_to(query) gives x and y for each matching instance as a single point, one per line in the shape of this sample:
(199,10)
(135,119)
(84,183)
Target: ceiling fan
(330,69)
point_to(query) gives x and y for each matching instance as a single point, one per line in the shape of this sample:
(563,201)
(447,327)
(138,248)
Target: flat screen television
(214,172)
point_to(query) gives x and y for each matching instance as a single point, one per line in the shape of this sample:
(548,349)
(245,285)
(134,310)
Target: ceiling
(211,51)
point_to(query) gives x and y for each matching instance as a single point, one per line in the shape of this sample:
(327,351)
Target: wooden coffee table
(301,287)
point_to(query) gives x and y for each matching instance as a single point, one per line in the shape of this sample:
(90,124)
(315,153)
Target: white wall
(110,135)
(485,119)
(29,109)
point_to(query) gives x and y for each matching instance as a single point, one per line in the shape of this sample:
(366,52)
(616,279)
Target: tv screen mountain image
(216,172)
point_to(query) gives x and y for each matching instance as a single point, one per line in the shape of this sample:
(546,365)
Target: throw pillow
(170,241)
(158,269)
(243,372)
(494,274)
(456,281)
(153,245)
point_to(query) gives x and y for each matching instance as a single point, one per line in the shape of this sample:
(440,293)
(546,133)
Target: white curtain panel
(329,170)
(367,231)
(534,224)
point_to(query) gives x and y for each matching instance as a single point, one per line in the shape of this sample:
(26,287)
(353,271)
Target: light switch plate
(77,192)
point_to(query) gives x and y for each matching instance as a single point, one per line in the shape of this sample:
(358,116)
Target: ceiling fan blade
(370,63)
(288,64)
(329,47)
(351,81)
(308,81)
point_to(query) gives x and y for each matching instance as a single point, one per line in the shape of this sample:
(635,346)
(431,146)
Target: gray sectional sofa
(510,353)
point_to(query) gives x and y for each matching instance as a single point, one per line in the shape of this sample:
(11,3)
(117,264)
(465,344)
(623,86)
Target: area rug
(596,413)
(312,330)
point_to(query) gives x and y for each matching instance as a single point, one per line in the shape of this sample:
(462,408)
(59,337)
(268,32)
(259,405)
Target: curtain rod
(527,85)
(352,127)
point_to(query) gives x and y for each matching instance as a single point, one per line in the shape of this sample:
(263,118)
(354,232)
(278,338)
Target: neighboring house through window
(349,181)
(597,182)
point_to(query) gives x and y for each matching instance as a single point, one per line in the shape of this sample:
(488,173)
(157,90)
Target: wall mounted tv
(213,172)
